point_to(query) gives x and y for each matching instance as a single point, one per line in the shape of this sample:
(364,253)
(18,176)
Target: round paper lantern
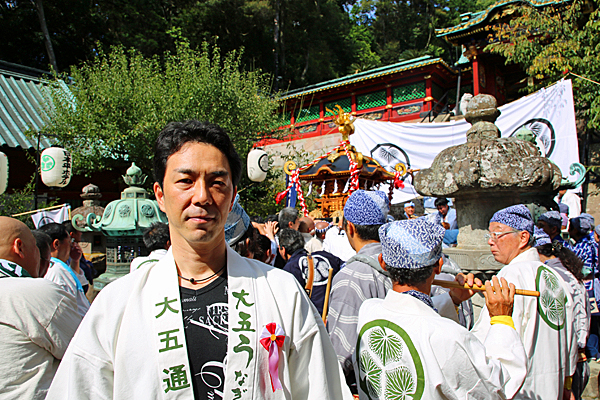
(55,166)
(3,172)
(258,165)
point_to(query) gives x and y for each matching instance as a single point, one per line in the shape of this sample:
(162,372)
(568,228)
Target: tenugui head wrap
(237,223)
(367,207)
(582,224)
(552,218)
(411,243)
(517,217)
(540,237)
(409,204)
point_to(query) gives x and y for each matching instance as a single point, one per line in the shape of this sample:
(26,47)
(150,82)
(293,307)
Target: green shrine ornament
(123,222)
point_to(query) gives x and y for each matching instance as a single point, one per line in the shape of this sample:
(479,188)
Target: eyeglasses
(494,236)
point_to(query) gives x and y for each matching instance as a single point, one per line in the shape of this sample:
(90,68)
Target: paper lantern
(3,172)
(55,166)
(258,165)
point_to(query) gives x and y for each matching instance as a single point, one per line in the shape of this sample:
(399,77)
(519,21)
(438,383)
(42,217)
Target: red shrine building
(420,90)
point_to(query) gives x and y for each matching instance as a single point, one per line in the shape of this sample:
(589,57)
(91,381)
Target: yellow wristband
(503,319)
(568,382)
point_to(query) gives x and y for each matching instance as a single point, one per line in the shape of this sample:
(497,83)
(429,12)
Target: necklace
(195,281)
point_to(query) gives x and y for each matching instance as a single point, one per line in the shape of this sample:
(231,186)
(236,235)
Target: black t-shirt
(205,320)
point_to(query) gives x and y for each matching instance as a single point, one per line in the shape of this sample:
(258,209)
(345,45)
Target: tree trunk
(40,12)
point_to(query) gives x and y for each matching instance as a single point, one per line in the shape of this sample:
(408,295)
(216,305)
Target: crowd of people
(233,306)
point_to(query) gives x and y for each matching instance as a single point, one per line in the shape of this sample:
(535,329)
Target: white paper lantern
(258,165)
(55,166)
(3,172)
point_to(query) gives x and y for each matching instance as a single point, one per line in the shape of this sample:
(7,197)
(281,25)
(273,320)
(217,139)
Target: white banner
(58,215)
(548,113)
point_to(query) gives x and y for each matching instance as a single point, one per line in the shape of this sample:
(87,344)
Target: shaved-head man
(38,319)
(18,246)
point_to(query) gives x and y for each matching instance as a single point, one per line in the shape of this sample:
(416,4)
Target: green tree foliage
(549,41)
(19,201)
(121,100)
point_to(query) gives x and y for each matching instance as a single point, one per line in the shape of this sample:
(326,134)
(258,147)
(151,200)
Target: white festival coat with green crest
(131,344)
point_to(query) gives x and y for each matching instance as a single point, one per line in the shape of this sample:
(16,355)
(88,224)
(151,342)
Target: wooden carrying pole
(326,302)
(39,209)
(452,284)
(311,276)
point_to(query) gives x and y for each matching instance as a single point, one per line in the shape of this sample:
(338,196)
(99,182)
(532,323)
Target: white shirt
(336,242)
(151,258)
(58,274)
(405,347)
(548,337)
(37,322)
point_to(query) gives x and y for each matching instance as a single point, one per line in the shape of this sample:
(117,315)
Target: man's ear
(381,262)
(438,266)
(525,237)
(233,198)
(160,196)
(55,244)
(350,228)
(17,248)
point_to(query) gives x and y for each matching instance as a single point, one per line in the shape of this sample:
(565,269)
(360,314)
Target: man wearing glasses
(545,324)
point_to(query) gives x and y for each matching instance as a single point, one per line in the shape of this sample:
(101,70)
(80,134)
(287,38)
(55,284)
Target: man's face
(62,249)
(197,194)
(506,245)
(550,230)
(294,225)
(76,235)
(410,210)
(44,263)
(443,209)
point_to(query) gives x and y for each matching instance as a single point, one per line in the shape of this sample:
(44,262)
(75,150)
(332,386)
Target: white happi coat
(407,350)
(116,353)
(545,324)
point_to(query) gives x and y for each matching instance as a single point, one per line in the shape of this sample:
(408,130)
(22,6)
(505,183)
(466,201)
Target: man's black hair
(156,236)
(55,231)
(365,232)
(176,134)
(410,277)
(69,226)
(291,240)
(441,201)
(287,215)
(43,241)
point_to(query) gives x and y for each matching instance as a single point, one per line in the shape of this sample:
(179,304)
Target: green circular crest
(552,300)
(47,163)
(390,367)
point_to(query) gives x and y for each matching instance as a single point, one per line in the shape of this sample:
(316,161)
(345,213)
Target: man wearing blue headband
(545,324)
(551,223)
(406,350)
(586,248)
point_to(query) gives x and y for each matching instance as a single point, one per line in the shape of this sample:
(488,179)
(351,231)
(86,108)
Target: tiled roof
(22,100)
(362,76)
(474,19)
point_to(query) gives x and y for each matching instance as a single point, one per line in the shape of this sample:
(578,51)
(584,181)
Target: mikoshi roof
(22,106)
(365,75)
(472,21)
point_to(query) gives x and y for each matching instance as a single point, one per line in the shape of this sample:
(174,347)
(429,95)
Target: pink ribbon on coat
(272,338)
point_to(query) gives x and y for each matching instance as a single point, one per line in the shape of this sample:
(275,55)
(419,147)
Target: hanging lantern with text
(55,167)
(3,172)
(258,165)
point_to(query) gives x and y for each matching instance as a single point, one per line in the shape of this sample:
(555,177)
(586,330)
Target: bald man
(37,321)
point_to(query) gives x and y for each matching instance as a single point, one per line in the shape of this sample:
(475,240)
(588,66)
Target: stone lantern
(93,244)
(484,175)
(124,222)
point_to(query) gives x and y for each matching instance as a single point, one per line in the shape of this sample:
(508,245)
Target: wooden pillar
(476,88)
(388,90)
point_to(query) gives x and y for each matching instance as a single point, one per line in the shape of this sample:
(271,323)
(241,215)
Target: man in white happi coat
(545,324)
(157,241)
(406,350)
(203,322)
(37,321)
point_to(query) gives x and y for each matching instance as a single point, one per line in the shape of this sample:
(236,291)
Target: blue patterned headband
(237,223)
(540,237)
(517,217)
(582,224)
(411,243)
(552,218)
(367,207)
